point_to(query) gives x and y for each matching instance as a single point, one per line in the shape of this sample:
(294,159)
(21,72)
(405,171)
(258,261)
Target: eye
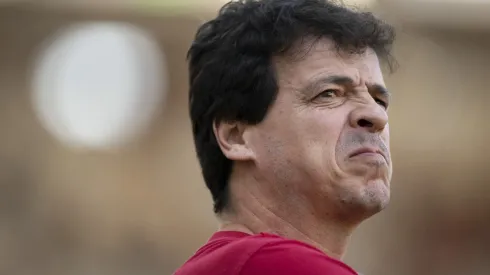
(382,103)
(329,93)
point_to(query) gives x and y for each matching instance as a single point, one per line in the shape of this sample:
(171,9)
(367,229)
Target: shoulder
(276,255)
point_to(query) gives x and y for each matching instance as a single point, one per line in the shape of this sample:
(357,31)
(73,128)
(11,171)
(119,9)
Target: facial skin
(320,159)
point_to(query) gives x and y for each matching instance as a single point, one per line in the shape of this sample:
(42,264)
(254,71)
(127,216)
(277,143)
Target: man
(289,114)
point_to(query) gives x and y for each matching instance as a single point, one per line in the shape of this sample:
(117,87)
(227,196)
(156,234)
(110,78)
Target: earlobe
(230,138)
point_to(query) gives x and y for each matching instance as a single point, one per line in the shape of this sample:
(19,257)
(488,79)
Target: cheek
(323,129)
(386,135)
(321,134)
(300,144)
(275,144)
(386,139)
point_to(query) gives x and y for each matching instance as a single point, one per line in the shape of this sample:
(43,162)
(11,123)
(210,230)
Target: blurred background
(98,173)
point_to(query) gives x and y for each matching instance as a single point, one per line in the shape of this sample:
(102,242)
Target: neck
(334,245)
(254,212)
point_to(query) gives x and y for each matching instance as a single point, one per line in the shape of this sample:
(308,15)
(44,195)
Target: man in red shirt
(289,115)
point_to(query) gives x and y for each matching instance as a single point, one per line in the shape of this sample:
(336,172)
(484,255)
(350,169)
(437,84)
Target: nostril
(364,123)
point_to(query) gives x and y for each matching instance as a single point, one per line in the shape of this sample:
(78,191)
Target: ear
(230,138)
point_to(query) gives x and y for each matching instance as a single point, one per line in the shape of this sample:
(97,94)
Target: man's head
(290,93)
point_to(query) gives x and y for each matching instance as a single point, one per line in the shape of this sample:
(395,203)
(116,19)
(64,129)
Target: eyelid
(384,102)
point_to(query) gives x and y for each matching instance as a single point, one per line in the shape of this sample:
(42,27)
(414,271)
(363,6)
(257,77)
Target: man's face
(325,140)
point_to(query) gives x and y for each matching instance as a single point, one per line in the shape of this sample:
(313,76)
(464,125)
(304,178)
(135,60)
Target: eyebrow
(343,81)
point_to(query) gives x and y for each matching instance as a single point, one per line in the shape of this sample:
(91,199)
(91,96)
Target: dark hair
(231,74)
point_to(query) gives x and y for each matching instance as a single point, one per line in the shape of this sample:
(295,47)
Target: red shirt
(237,253)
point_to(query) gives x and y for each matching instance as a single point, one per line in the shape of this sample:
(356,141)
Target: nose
(371,117)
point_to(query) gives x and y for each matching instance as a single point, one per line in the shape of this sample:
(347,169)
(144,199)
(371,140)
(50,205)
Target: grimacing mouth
(369,149)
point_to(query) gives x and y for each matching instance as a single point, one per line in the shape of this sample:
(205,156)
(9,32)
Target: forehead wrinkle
(324,60)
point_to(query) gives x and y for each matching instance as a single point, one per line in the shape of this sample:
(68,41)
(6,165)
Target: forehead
(319,58)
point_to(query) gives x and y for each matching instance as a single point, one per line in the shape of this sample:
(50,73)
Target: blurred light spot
(98,85)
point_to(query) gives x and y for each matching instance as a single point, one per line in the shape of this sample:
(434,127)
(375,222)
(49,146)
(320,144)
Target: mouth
(368,152)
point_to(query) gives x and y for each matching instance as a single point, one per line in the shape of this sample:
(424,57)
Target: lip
(367,151)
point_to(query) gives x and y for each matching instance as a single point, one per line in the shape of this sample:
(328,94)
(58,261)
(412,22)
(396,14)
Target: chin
(370,199)
(375,196)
